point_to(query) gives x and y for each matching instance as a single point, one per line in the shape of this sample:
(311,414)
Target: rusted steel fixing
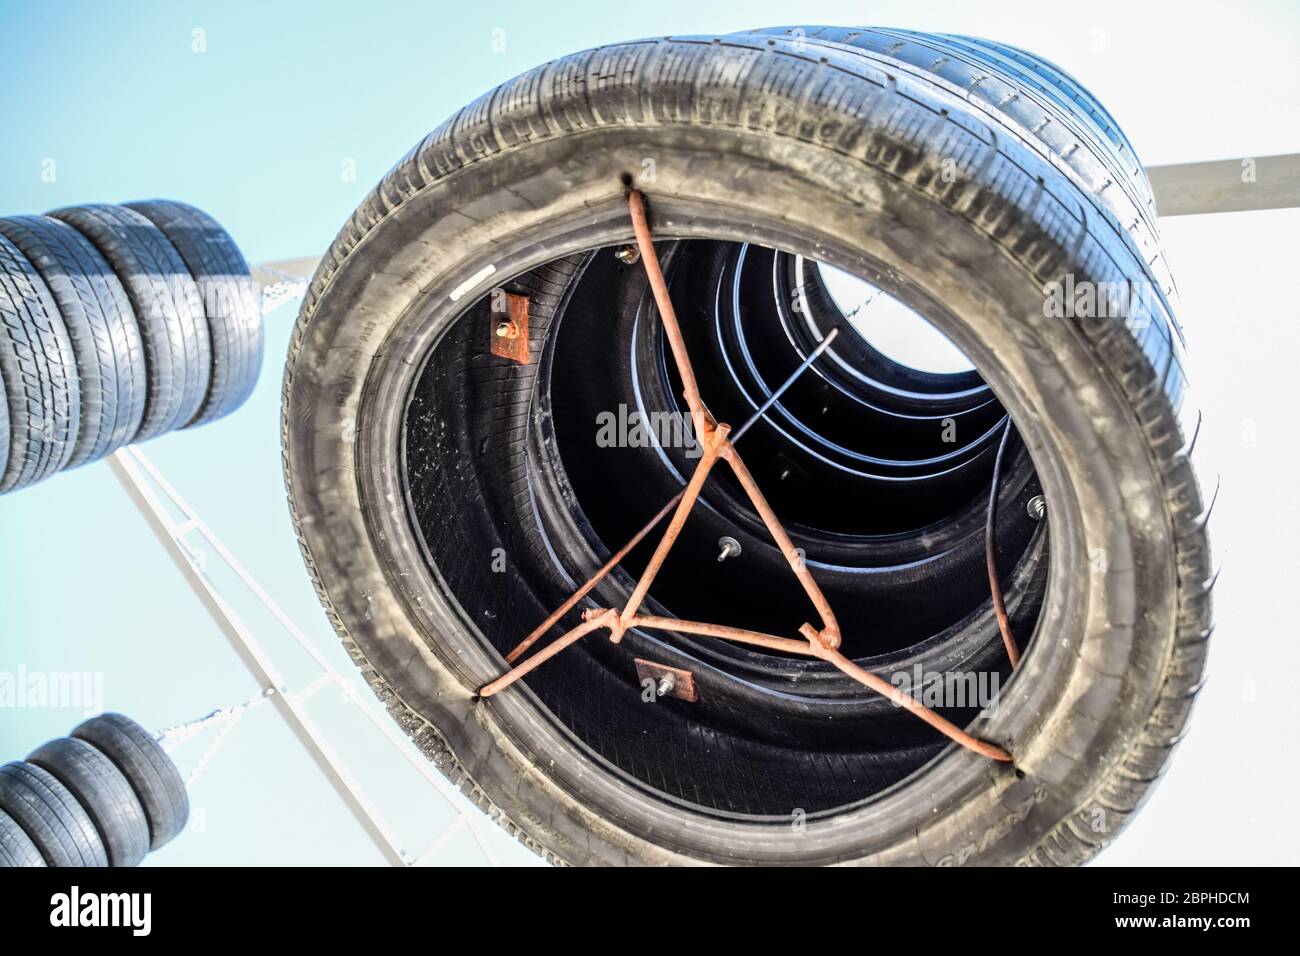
(668,681)
(509,333)
(990,557)
(822,643)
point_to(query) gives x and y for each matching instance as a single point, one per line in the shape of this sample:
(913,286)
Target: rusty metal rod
(604,617)
(713,442)
(592,581)
(990,558)
(829,635)
(673,331)
(738,634)
(637,538)
(910,704)
(708,432)
(545,654)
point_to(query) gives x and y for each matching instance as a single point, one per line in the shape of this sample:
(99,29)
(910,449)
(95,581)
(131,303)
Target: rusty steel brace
(822,643)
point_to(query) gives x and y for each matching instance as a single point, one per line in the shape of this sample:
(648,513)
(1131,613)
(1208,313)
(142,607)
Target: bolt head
(1037,507)
(728,547)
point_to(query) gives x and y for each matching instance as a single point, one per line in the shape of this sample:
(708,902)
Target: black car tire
(839,154)
(147,768)
(105,337)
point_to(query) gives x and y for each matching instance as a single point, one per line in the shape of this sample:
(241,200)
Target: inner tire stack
(118,324)
(104,796)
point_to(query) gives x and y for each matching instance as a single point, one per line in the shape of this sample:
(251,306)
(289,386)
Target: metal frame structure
(152,495)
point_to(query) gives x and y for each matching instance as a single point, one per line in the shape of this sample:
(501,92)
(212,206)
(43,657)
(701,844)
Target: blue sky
(292,111)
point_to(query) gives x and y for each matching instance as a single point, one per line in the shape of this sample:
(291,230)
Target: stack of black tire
(104,796)
(118,324)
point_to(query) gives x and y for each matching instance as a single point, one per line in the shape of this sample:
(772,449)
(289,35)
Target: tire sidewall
(1084,686)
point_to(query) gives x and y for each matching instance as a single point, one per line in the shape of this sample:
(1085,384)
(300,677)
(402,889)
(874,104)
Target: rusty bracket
(668,681)
(509,326)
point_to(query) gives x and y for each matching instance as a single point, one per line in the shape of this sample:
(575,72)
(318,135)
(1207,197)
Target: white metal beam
(255,658)
(1227,185)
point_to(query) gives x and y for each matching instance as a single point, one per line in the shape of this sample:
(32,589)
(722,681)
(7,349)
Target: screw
(1037,507)
(730,548)
(506,329)
(628,255)
(665,686)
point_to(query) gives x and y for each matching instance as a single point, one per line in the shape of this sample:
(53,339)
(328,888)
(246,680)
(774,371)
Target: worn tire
(16,847)
(39,372)
(1039,104)
(148,769)
(230,304)
(4,425)
(104,793)
(837,153)
(51,816)
(101,326)
(167,306)
(1074,97)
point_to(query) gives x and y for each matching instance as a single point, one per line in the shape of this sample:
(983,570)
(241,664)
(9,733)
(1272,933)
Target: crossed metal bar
(718,444)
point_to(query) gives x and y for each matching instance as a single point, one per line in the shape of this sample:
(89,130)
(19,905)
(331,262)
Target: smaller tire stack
(104,796)
(118,324)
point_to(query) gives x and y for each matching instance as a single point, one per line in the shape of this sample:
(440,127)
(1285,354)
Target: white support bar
(255,659)
(1228,185)
(381,722)
(269,273)
(440,841)
(314,688)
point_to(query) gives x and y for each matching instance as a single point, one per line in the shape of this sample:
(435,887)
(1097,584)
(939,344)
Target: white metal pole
(256,660)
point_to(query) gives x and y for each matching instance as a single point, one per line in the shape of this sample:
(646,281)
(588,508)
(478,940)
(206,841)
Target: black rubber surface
(167,306)
(41,385)
(148,769)
(16,847)
(51,816)
(104,793)
(105,337)
(4,425)
(230,303)
(1076,100)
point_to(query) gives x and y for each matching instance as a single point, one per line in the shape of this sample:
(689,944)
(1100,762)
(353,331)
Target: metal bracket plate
(683,681)
(509,328)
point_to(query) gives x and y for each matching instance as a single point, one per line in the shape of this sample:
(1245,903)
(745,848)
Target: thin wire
(213,748)
(775,396)
(990,557)
(177,734)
